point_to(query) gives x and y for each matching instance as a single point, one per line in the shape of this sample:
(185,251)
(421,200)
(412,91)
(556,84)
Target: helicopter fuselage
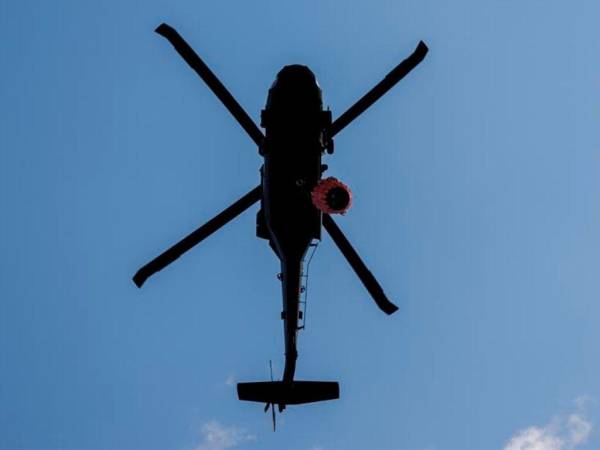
(295,124)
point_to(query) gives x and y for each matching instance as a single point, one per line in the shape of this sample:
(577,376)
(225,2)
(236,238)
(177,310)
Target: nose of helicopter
(295,85)
(296,73)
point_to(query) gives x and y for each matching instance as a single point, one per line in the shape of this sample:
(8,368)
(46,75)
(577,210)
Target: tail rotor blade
(194,61)
(359,266)
(395,75)
(271,404)
(194,238)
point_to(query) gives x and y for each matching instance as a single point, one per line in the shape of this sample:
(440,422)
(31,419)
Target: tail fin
(295,393)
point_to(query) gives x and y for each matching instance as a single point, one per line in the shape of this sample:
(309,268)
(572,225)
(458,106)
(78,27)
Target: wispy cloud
(230,381)
(562,433)
(219,437)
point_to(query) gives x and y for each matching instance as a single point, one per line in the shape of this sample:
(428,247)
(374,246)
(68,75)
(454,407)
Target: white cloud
(219,437)
(562,433)
(536,438)
(579,429)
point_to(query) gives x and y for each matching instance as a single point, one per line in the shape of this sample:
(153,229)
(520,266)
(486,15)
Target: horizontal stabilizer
(295,393)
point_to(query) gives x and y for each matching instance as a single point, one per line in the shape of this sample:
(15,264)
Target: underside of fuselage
(294,121)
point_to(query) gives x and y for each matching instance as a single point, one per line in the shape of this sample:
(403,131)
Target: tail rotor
(272,405)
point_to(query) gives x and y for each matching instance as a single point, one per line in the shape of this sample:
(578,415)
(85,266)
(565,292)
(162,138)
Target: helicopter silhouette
(295,200)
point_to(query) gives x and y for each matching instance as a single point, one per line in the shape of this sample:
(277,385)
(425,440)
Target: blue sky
(476,194)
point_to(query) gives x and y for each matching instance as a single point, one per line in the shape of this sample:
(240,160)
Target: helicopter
(295,200)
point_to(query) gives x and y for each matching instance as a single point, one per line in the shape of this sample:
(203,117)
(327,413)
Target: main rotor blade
(397,73)
(166,258)
(359,267)
(194,61)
